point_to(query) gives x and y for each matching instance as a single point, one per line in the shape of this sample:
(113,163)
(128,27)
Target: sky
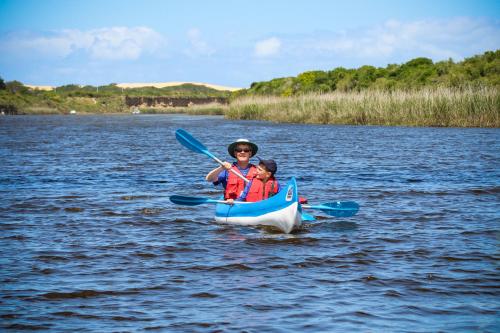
(231,43)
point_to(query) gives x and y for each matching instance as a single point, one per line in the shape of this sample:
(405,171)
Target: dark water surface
(90,242)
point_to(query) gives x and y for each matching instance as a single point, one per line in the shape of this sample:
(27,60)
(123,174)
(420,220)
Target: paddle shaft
(231,170)
(188,141)
(327,208)
(194,201)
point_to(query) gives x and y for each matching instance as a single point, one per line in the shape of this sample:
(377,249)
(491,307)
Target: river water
(90,242)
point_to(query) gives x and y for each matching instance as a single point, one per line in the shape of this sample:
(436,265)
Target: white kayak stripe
(284,219)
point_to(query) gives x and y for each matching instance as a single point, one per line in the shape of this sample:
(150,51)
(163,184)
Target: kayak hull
(281,211)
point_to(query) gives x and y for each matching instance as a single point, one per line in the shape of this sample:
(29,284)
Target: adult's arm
(213,175)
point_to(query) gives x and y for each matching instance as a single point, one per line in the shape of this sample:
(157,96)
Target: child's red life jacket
(260,191)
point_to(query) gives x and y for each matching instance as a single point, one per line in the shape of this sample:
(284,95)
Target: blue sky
(231,43)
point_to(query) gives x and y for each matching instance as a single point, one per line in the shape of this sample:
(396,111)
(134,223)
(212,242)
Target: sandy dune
(39,87)
(171,84)
(150,84)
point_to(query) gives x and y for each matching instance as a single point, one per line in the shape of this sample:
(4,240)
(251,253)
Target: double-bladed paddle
(338,209)
(188,141)
(194,201)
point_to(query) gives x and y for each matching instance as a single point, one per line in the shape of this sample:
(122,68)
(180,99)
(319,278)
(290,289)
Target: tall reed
(453,107)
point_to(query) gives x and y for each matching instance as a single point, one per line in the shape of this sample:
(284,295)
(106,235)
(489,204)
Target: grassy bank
(452,107)
(51,103)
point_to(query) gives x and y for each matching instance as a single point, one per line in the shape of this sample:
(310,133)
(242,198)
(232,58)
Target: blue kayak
(282,211)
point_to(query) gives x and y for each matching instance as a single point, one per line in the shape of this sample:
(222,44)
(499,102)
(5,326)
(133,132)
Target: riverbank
(442,107)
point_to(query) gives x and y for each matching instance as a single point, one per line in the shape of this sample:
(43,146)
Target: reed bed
(450,107)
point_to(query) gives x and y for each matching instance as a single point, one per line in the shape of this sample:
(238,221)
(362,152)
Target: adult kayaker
(242,150)
(264,185)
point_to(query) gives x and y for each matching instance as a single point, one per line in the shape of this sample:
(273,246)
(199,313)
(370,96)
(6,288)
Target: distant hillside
(17,98)
(172,84)
(481,70)
(152,84)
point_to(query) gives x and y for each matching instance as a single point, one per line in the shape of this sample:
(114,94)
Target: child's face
(262,173)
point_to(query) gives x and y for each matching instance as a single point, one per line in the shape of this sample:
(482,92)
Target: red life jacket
(236,185)
(260,191)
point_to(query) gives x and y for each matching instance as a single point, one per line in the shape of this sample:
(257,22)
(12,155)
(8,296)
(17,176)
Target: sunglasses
(244,150)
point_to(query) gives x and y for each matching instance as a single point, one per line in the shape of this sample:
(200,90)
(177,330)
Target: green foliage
(419,73)
(312,81)
(16,87)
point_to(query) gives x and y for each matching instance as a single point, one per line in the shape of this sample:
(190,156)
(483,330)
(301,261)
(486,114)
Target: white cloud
(116,43)
(437,39)
(124,43)
(197,45)
(268,47)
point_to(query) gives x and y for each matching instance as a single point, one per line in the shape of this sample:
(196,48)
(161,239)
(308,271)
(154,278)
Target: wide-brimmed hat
(270,165)
(232,146)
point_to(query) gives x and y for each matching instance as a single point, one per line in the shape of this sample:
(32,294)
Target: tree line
(480,70)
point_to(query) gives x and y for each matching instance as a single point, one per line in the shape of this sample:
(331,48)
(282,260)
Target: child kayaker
(264,185)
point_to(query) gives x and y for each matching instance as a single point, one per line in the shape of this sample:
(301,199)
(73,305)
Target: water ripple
(90,242)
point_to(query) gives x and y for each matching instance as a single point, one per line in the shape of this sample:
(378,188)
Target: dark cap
(269,164)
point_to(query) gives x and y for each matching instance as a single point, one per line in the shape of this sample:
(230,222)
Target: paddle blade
(341,208)
(189,142)
(338,209)
(307,217)
(188,201)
